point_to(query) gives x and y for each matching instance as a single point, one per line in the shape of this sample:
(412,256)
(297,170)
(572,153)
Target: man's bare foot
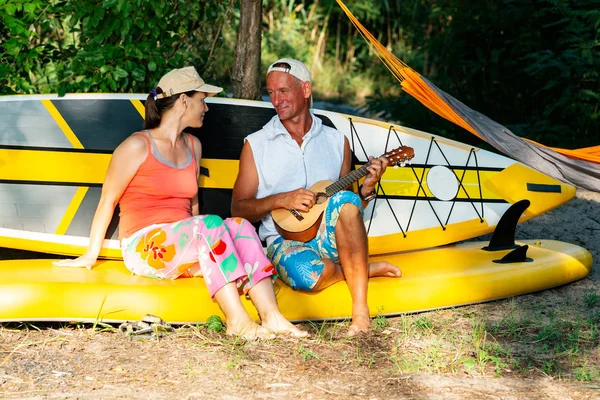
(277,323)
(385,269)
(249,330)
(361,323)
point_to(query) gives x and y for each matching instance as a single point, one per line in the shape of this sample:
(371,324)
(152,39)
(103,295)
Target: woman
(153,175)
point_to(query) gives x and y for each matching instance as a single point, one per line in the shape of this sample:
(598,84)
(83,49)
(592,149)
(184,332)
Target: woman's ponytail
(153,115)
(156,106)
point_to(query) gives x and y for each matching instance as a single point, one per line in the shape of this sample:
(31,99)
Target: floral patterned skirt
(222,251)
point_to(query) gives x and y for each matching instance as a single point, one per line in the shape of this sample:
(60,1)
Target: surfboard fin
(503,237)
(517,255)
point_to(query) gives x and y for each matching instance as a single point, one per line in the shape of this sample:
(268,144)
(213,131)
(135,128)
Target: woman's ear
(184,99)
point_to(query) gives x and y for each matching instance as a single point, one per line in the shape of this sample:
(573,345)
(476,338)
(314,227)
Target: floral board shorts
(299,264)
(222,251)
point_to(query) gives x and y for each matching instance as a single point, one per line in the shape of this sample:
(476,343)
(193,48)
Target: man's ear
(307,89)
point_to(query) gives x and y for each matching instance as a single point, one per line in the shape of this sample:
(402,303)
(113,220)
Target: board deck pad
(55,152)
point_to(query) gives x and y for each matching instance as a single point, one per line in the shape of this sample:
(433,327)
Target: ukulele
(303,226)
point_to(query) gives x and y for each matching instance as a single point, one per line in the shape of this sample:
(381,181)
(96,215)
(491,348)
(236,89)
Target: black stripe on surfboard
(218,201)
(49,183)
(55,149)
(543,188)
(101,125)
(225,202)
(82,220)
(455,167)
(474,200)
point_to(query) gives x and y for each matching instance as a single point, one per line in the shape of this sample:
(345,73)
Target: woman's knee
(209,222)
(209,219)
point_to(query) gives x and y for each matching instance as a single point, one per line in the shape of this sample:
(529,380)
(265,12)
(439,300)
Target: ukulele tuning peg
(402,163)
(395,165)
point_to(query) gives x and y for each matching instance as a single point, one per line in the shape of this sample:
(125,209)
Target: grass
(306,353)
(326,331)
(557,341)
(380,321)
(591,298)
(510,338)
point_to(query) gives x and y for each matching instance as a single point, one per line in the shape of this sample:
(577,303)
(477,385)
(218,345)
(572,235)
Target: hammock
(580,167)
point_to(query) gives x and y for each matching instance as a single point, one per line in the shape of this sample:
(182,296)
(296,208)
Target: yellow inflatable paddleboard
(35,290)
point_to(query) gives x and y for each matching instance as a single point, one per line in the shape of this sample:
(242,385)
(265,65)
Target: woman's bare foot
(249,330)
(361,323)
(277,323)
(384,268)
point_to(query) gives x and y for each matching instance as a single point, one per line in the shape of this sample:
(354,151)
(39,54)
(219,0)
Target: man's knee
(348,204)
(350,210)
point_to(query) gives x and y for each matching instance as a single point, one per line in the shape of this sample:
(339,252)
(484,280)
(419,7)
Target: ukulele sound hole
(296,214)
(321,198)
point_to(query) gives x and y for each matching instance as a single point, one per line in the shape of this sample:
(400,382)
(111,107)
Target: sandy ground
(59,361)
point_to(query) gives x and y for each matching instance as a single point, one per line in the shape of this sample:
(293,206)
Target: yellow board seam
(66,129)
(71,210)
(139,107)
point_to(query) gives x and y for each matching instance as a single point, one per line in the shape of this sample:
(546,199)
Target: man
(278,164)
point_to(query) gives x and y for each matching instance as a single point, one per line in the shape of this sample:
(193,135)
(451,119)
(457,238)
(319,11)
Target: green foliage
(105,45)
(214,324)
(343,67)
(532,66)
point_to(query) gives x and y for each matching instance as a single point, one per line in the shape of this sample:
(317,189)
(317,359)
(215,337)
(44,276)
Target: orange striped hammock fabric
(580,167)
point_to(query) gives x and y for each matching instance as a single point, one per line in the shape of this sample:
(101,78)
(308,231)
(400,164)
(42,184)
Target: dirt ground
(538,346)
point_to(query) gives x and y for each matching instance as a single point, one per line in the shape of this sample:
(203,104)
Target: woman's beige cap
(183,80)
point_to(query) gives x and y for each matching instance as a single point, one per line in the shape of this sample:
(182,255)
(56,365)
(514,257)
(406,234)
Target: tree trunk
(245,75)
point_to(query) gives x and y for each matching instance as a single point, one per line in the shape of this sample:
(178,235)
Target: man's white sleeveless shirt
(284,166)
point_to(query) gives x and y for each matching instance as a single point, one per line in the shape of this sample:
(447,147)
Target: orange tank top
(160,192)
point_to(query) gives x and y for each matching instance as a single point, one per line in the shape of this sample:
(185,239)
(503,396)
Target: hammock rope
(580,167)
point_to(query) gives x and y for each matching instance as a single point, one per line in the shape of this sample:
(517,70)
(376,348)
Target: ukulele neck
(346,180)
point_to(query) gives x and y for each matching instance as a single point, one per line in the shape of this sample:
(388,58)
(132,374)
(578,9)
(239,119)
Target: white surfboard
(54,153)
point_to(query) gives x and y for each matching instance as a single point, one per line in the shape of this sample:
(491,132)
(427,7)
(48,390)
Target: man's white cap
(184,80)
(293,67)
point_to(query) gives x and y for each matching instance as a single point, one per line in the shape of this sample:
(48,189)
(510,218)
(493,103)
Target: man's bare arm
(244,202)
